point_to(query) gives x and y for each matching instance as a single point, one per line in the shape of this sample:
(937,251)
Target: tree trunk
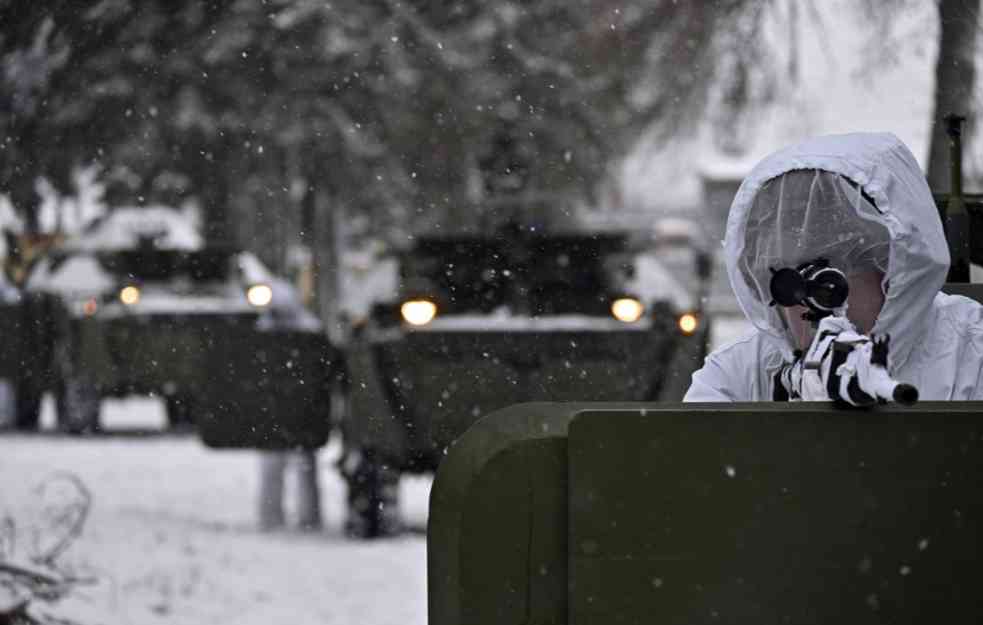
(26,201)
(216,192)
(954,78)
(327,263)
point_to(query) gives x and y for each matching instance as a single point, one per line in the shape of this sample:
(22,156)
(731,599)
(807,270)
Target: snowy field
(172,535)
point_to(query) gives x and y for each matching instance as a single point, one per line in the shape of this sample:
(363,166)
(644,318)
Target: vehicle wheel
(27,407)
(373,496)
(77,405)
(180,411)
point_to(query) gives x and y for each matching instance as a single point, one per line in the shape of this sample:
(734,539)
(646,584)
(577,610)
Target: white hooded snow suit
(936,339)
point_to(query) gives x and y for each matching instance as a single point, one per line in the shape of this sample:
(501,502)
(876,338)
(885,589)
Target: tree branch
(75,513)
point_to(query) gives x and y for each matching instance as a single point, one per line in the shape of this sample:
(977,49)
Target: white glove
(842,364)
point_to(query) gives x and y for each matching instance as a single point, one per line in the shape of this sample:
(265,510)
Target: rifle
(841,364)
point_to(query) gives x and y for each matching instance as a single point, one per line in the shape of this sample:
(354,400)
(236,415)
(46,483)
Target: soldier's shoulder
(752,342)
(963,316)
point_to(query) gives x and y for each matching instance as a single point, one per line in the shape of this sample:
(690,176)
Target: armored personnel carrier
(521,314)
(138,304)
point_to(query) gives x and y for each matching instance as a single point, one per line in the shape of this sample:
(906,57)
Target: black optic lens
(828,288)
(788,287)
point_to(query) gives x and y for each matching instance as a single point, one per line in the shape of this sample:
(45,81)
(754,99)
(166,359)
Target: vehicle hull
(415,392)
(241,385)
(161,354)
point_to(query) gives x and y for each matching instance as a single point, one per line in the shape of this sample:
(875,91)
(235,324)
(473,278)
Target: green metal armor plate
(267,390)
(706,513)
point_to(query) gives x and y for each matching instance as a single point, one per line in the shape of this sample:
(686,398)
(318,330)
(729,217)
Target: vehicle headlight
(259,295)
(129,295)
(688,323)
(418,312)
(627,309)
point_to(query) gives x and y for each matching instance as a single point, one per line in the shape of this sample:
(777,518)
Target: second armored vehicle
(137,304)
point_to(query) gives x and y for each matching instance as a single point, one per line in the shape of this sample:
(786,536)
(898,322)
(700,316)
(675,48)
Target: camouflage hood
(867,196)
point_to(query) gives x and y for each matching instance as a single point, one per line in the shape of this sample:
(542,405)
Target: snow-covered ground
(172,535)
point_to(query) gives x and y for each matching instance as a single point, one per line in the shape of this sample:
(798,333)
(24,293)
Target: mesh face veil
(798,217)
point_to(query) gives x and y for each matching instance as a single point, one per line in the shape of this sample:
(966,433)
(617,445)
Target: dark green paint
(972,291)
(497,520)
(972,209)
(267,390)
(710,513)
